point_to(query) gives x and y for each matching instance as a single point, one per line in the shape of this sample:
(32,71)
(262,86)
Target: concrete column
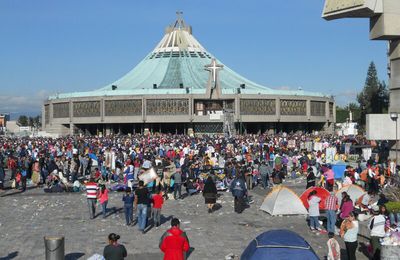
(71,129)
(71,111)
(308,109)
(190,108)
(327,110)
(334,112)
(394,75)
(278,108)
(144,109)
(51,113)
(237,109)
(102,109)
(43,118)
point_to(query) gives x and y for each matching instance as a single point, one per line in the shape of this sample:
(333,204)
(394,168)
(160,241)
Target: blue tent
(279,244)
(338,168)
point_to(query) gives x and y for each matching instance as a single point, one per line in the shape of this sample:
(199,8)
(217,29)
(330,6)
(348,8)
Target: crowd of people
(153,168)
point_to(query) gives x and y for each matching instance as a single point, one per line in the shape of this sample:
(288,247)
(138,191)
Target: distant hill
(14,116)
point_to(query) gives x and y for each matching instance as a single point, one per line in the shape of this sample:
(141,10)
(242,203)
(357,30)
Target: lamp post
(394,116)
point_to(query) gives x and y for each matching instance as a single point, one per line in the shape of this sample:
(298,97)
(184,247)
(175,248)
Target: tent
(283,201)
(279,244)
(321,192)
(338,168)
(353,190)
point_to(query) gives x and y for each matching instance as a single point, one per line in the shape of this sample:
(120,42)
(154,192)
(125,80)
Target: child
(333,247)
(128,200)
(103,199)
(158,201)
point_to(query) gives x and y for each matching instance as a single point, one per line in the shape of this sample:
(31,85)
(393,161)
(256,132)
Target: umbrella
(321,192)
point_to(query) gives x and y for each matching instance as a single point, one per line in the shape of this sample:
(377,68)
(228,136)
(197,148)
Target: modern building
(180,87)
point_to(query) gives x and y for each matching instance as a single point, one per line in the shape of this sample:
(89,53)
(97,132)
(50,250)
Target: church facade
(181,88)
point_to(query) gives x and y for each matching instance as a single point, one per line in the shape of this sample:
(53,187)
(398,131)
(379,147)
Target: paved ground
(27,217)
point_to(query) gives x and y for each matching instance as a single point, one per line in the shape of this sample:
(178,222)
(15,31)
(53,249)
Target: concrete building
(384,24)
(180,87)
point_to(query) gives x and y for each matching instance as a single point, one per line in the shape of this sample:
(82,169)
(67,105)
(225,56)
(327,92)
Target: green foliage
(393,206)
(29,121)
(342,113)
(23,120)
(374,98)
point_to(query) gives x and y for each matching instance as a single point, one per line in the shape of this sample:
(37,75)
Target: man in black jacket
(239,191)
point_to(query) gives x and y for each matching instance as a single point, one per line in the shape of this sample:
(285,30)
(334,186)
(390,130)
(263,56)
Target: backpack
(237,190)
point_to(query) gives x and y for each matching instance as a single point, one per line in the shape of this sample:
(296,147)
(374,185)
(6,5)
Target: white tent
(283,201)
(354,191)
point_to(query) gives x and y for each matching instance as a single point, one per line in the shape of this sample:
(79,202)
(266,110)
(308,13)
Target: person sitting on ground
(114,251)
(174,243)
(190,188)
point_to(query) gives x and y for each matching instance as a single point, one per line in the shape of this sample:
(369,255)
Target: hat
(375,208)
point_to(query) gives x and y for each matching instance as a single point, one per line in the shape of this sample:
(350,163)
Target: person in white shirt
(313,210)
(349,232)
(377,227)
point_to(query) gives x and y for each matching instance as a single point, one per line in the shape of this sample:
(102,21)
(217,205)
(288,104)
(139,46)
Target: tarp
(283,201)
(353,190)
(93,156)
(322,193)
(338,168)
(148,176)
(279,244)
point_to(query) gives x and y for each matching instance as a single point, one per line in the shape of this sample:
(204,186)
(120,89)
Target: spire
(179,23)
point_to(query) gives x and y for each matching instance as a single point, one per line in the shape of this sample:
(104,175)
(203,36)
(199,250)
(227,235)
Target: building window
(293,107)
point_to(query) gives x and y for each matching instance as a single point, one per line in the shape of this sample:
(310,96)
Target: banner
(148,176)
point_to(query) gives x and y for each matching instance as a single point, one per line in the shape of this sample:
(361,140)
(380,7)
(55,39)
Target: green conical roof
(178,62)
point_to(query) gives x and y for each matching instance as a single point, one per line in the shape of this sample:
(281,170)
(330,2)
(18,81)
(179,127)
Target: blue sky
(52,46)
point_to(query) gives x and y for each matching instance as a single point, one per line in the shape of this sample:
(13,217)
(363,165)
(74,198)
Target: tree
(374,98)
(342,113)
(37,121)
(30,121)
(23,120)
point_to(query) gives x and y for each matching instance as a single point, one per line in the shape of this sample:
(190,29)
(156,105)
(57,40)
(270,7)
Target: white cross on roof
(213,68)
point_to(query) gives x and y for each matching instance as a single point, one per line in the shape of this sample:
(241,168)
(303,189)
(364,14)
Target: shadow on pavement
(73,256)
(10,256)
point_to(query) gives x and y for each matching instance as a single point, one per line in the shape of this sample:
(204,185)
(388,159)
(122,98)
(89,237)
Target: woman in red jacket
(103,199)
(174,242)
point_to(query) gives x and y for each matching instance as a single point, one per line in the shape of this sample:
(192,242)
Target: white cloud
(284,88)
(345,97)
(23,103)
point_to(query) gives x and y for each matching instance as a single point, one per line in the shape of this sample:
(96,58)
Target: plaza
(36,214)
